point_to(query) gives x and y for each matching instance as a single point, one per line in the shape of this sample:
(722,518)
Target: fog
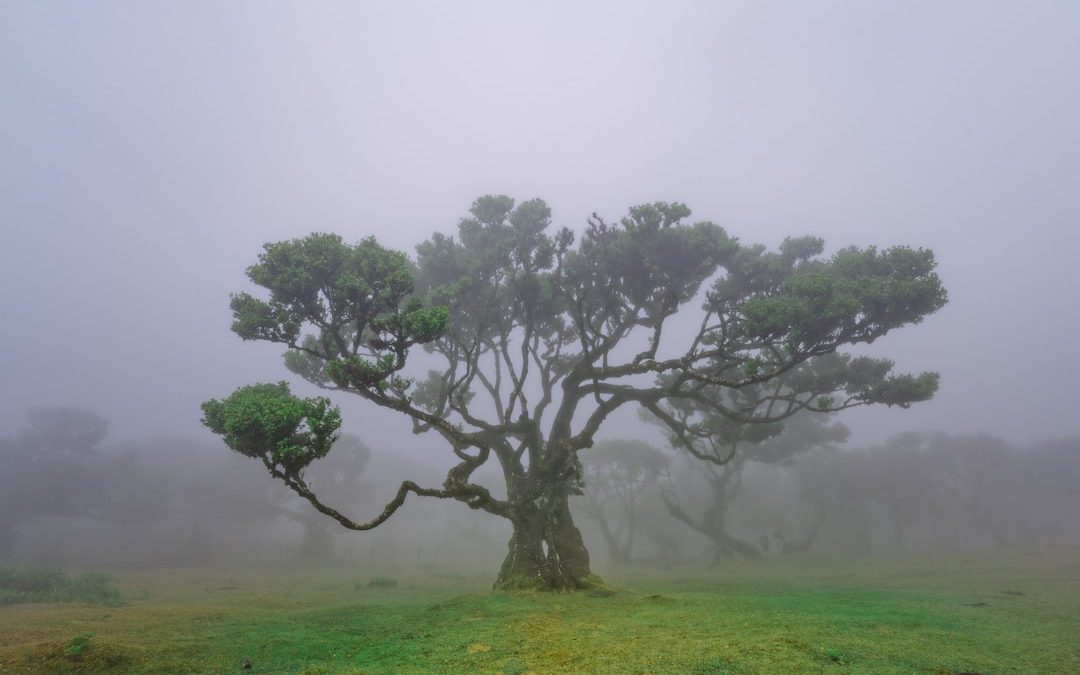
(150,149)
(69,496)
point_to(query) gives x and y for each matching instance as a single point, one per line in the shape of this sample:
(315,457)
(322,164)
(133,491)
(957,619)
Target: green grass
(1006,613)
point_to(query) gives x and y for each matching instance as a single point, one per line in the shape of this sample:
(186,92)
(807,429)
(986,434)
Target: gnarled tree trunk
(546,551)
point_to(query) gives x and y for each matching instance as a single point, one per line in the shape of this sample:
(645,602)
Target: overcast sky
(148,149)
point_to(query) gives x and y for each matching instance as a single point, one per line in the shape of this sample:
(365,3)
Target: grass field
(1003,613)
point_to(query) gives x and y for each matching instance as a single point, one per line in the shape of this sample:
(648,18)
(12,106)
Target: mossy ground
(1002,613)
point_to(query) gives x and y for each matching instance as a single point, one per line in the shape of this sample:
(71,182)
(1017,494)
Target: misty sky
(148,149)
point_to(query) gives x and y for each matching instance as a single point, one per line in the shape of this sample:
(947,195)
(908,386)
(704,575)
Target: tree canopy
(542,334)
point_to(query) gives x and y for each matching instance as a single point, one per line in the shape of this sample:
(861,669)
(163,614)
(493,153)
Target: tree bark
(546,552)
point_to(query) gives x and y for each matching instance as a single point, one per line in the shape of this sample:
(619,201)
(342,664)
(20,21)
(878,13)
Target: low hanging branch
(287,433)
(475,496)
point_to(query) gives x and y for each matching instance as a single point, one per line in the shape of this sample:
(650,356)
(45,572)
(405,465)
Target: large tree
(540,340)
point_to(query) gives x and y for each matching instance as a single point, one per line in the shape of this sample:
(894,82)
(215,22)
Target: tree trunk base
(539,583)
(546,553)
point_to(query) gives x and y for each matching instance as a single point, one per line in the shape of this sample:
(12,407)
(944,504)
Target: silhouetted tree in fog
(733,444)
(932,489)
(924,475)
(44,468)
(615,476)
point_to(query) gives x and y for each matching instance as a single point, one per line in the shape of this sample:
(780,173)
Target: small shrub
(94,587)
(836,656)
(31,579)
(77,645)
(46,584)
(382,582)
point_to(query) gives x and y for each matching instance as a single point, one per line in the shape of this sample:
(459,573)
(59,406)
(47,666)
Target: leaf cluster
(856,296)
(356,300)
(265,421)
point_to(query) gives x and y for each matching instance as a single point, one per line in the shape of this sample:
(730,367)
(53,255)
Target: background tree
(45,466)
(732,445)
(931,490)
(540,341)
(615,476)
(1051,474)
(918,477)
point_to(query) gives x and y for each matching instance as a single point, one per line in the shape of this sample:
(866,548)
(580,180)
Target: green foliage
(903,390)
(31,579)
(523,323)
(78,644)
(267,422)
(497,272)
(651,260)
(350,296)
(349,313)
(835,655)
(856,296)
(360,372)
(49,585)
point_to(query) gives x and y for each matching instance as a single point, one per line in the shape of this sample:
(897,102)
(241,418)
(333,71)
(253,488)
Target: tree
(541,340)
(45,467)
(770,444)
(916,483)
(615,474)
(923,475)
(985,480)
